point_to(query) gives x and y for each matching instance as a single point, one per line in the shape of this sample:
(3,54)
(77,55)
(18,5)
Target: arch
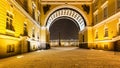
(65,17)
(67,11)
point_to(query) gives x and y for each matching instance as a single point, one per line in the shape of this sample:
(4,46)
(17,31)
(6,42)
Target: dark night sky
(67,28)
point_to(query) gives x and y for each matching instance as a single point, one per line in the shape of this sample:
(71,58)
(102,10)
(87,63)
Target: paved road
(64,57)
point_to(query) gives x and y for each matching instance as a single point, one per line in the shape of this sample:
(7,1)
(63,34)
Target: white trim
(64,6)
(109,40)
(24,12)
(96,12)
(38,12)
(81,23)
(116,38)
(33,5)
(104,5)
(43,28)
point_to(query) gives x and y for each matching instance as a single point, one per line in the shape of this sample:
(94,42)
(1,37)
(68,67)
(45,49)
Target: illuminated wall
(51,7)
(106,24)
(17,28)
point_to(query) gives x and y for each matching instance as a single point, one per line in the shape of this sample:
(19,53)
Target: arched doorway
(69,15)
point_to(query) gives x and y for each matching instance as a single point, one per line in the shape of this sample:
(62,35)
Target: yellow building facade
(106,24)
(101,29)
(19,30)
(24,24)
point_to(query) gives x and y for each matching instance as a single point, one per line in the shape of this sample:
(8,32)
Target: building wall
(53,7)
(12,25)
(110,22)
(88,17)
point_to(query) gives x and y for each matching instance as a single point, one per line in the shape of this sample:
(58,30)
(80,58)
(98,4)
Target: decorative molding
(46,8)
(96,12)
(33,5)
(66,12)
(104,5)
(108,19)
(86,8)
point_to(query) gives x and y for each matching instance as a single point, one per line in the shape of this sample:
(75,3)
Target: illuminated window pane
(105,11)
(9,21)
(106,32)
(96,35)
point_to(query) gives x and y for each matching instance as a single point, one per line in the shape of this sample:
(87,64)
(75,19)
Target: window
(33,30)
(96,4)
(9,21)
(105,12)
(38,18)
(118,29)
(96,18)
(33,13)
(106,32)
(10,48)
(105,46)
(38,35)
(33,10)
(118,4)
(96,37)
(25,30)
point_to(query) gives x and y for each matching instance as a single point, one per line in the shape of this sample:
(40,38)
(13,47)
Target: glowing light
(21,56)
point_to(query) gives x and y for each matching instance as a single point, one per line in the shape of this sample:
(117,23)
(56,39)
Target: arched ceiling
(67,13)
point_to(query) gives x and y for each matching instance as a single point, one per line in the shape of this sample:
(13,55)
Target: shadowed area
(67,29)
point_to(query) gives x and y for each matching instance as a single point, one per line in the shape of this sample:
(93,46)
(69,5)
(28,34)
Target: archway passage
(64,25)
(66,28)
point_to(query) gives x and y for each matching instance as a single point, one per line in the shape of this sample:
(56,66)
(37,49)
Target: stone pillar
(90,37)
(86,38)
(44,38)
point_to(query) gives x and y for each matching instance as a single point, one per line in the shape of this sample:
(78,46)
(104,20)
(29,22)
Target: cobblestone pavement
(64,57)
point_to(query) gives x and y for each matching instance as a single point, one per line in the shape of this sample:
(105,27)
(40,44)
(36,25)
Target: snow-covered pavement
(64,57)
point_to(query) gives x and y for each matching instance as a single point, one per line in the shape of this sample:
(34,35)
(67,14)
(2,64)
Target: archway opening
(70,21)
(64,30)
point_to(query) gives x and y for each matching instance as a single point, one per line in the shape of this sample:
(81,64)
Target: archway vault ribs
(66,12)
